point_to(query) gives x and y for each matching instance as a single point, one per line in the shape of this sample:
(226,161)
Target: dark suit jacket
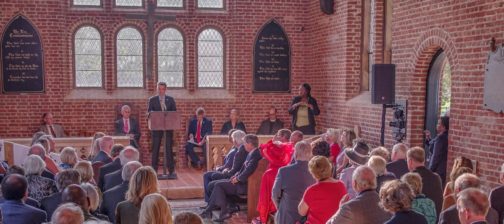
(497,201)
(58,130)
(50,203)
(47,174)
(239,159)
(398,167)
(111,198)
(228,159)
(270,128)
(450,216)
(432,187)
(109,168)
(438,148)
(248,168)
(206,127)
(228,126)
(134,128)
(155,105)
(17,212)
(409,217)
(29,201)
(311,113)
(127,213)
(102,157)
(112,179)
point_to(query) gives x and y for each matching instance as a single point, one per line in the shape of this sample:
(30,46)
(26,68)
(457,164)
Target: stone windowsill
(142,94)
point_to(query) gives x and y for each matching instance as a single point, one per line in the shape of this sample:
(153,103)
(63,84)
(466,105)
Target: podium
(164,121)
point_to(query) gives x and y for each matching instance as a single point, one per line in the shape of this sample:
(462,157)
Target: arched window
(171,57)
(129,58)
(211,4)
(88,57)
(210,59)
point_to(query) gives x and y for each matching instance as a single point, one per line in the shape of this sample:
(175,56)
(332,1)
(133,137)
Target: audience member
(50,128)
(94,201)
(115,178)
(381,152)
(76,194)
(128,126)
(116,150)
(271,125)
(233,123)
(197,130)
(378,164)
(14,210)
(105,143)
(322,199)
(15,169)
(438,148)
(68,213)
(111,167)
(227,162)
(86,171)
(358,155)
(296,136)
(460,161)
(396,197)
(117,194)
(321,148)
(332,137)
(36,137)
(38,186)
(291,183)
(68,158)
(63,179)
(143,182)
(364,208)
(346,140)
(303,110)
(187,218)
(155,209)
(421,204)
(497,196)
(236,185)
(431,182)
(473,206)
(398,165)
(450,199)
(95,145)
(39,150)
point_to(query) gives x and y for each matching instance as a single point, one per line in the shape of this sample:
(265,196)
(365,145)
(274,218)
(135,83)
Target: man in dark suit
(14,210)
(117,194)
(109,168)
(128,126)
(271,125)
(237,185)
(431,182)
(114,178)
(398,166)
(497,197)
(438,148)
(199,127)
(76,194)
(105,143)
(48,127)
(474,206)
(63,179)
(162,102)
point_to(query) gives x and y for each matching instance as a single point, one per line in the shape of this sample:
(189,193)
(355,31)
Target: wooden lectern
(163,121)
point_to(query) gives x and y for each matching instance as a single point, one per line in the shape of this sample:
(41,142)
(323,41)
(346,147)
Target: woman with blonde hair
(68,158)
(397,197)
(155,209)
(86,172)
(95,148)
(346,140)
(143,182)
(332,136)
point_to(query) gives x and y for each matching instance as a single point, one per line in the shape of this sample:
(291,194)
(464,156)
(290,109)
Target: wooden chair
(253,188)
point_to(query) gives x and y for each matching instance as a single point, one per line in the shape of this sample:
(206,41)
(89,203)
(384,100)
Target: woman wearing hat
(358,155)
(303,110)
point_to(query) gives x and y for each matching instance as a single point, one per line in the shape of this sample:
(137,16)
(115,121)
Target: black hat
(359,153)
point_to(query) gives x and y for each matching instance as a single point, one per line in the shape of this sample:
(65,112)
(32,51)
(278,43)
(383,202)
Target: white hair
(124,107)
(68,213)
(34,165)
(128,154)
(92,193)
(303,151)
(129,169)
(238,137)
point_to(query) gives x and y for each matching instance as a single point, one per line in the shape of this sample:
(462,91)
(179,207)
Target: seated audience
(128,126)
(48,143)
(68,158)
(438,148)
(431,182)
(39,150)
(303,110)
(497,196)
(421,204)
(94,201)
(14,210)
(451,199)
(86,171)
(296,136)
(227,162)
(321,148)
(105,143)
(236,185)
(346,140)
(396,197)
(271,125)
(358,155)
(50,128)
(451,214)
(332,137)
(63,179)
(155,209)
(473,205)
(364,208)
(460,161)
(68,213)
(76,194)
(38,186)
(95,145)
(278,152)
(233,123)
(381,152)
(237,163)
(187,218)
(117,194)
(15,169)
(36,137)
(398,165)
(111,167)
(115,178)
(291,183)
(197,129)
(322,199)
(143,182)
(379,166)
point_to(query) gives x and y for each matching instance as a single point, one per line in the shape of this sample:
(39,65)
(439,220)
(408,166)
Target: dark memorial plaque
(22,58)
(272,59)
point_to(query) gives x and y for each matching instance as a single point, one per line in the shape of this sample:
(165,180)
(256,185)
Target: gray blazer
(58,130)
(363,209)
(288,189)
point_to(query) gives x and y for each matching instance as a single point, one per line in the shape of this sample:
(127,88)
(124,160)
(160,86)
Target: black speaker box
(383,84)
(327,6)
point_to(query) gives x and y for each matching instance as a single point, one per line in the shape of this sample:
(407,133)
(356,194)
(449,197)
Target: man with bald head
(105,143)
(115,178)
(75,194)
(364,208)
(128,126)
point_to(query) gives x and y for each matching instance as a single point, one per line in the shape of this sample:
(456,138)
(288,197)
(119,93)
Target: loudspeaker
(327,6)
(383,84)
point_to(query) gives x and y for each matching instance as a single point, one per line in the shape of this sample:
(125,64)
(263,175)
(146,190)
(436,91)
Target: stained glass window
(129,3)
(217,4)
(210,59)
(171,57)
(129,58)
(170,3)
(88,57)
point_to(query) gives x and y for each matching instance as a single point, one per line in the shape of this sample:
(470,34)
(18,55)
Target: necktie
(198,132)
(126,126)
(163,105)
(53,133)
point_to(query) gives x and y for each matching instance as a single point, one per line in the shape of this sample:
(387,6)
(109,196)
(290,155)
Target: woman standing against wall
(303,110)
